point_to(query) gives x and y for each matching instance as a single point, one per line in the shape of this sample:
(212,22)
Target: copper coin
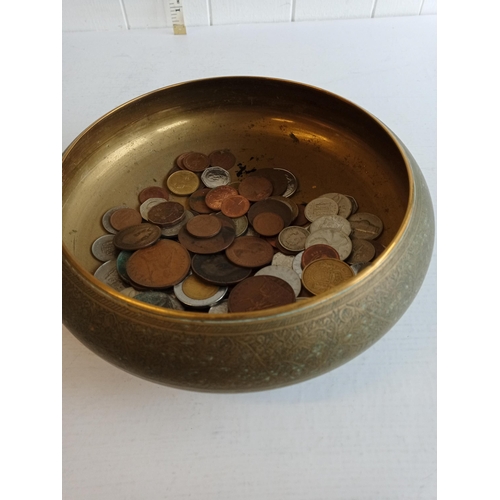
(270,205)
(162,265)
(209,245)
(197,201)
(255,188)
(204,226)
(235,206)
(250,251)
(301,219)
(277,177)
(166,214)
(268,223)
(196,162)
(125,217)
(136,237)
(222,158)
(217,268)
(179,161)
(216,196)
(317,252)
(152,192)
(260,292)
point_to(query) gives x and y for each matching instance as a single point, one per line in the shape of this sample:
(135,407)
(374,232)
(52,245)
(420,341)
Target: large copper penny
(250,251)
(317,252)
(204,226)
(255,188)
(136,237)
(162,265)
(125,217)
(197,201)
(217,268)
(235,206)
(196,162)
(268,223)
(216,196)
(166,214)
(325,275)
(152,192)
(274,206)
(277,177)
(260,292)
(222,158)
(209,245)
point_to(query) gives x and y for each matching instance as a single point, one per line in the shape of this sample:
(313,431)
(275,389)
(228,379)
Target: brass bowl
(330,144)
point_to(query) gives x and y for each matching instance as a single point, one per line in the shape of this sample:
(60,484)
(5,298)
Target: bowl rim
(263,314)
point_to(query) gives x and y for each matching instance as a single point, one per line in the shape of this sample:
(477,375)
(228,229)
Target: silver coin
(319,207)
(171,232)
(251,232)
(365,226)
(297,264)
(344,203)
(357,268)
(335,239)
(103,248)
(105,219)
(214,299)
(174,302)
(335,222)
(362,251)
(108,274)
(241,224)
(354,203)
(148,205)
(220,308)
(153,297)
(280,259)
(215,176)
(293,238)
(285,273)
(129,292)
(292,182)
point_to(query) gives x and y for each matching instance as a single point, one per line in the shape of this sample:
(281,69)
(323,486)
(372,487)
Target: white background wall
(110,15)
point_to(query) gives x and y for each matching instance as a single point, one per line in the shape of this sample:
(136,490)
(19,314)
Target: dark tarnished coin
(260,292)
(121,264)
(217,268)
(365,226)
(136,237)
(301,219)
(103,248)
(250,251)
(294,208)
(355,206)
(277,177)
(285,273)
(216,196)
(125,217)
(256,188)
(222,158)
(316,252)
(197,201)
(152,192)
(162,265)
(235,206)
(292,182)
(209,245)
(274,206)
(196,162)
(153,297)
(268,224)
(362,251)
(166,214)
(204,226)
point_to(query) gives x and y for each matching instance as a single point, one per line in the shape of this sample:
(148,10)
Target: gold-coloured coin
(324,275)
(197,288)
(183,182)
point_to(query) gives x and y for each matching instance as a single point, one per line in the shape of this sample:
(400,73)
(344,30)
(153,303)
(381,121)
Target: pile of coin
(241,246)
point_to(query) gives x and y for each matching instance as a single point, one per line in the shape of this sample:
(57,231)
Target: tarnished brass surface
(330,144)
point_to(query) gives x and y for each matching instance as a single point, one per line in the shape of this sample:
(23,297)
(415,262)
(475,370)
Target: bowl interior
(330,145)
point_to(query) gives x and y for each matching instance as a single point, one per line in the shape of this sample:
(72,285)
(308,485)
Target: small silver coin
(241,224)
(171,232)
(365,226)
(215,176)
(129,292)
(319,207)
(220,308)
(214,299)
(354,203)
(285,273)
(292,182)
(174,302)
(280,259)
(103,248)
(148,205)
(344,203)
(108,274)
(155,298)
(297,264)
(105,219)
(293,238)
(335,222)
(336,239)
(362,251)
(251,232)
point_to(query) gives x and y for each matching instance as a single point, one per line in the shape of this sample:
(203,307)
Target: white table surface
(364,431)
